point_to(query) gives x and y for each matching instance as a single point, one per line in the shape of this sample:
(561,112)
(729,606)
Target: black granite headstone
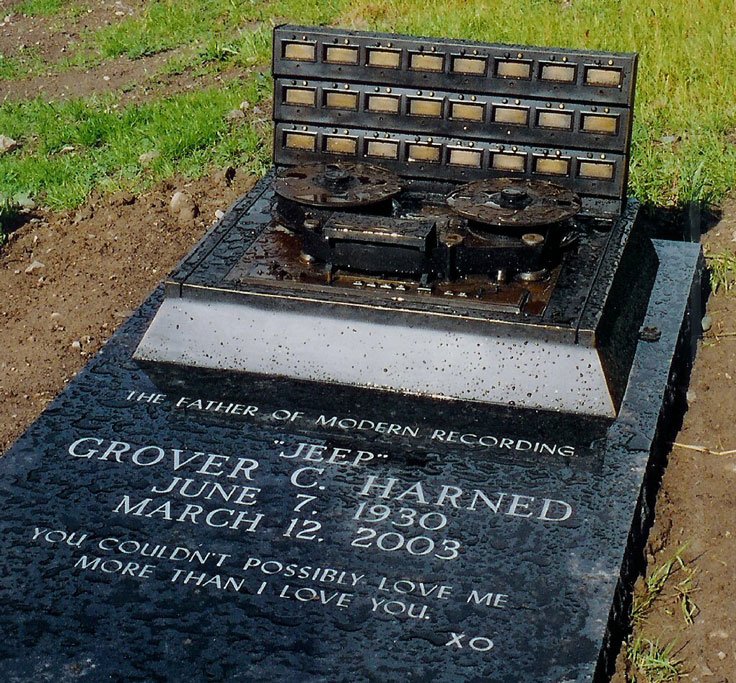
(193,525)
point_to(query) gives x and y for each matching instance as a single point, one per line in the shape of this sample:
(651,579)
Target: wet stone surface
(179,524)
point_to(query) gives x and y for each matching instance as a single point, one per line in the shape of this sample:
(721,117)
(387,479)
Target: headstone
(171,523)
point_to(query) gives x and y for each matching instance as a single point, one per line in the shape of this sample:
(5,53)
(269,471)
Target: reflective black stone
(563,579)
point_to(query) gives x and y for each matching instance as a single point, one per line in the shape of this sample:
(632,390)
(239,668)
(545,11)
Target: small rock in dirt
(35,266)
(690,396)
(721,655)
(179,200)
(244,105)
(705,670)
(235,115)
(25,202)
(147,158)
(669,139)
(77,345)
(8,144)
(85,213)
(55,315)
(706,322)
(66,149)
(219,213)
(183,205)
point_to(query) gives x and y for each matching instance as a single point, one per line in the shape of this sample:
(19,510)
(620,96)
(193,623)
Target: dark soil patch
(117,74)
(132,81)
(138,91)
(51,38)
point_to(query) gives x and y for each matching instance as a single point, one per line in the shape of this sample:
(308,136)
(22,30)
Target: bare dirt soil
(68,280)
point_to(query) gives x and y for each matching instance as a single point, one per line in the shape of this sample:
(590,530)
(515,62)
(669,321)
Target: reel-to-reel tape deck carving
(448,220)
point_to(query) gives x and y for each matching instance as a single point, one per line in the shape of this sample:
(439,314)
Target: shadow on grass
(685,222)
(12,218)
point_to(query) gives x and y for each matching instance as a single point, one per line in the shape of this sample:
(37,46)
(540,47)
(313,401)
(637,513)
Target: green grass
(684,590)
(40,7)
(652,662)
(190,132)
(686,77)
(722,267)
(656,664)
(674,568)
(685,126)
(23,63)
(163,25)
(166,24)
(654,584)
(9,68)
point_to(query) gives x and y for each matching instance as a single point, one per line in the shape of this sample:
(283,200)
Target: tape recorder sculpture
(446,219)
